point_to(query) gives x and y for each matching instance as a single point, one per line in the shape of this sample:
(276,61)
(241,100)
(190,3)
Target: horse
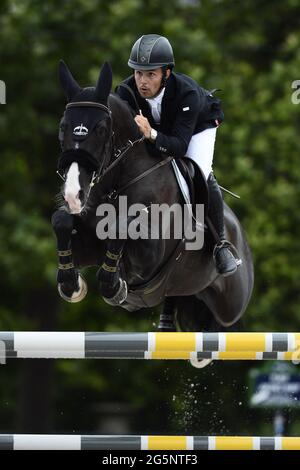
(104,158)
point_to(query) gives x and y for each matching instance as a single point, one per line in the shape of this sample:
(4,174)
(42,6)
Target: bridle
(115,156)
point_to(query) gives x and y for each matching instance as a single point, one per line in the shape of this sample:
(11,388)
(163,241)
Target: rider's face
(148,82)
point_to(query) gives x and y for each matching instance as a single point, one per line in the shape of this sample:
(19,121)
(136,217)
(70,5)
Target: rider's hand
(143,125)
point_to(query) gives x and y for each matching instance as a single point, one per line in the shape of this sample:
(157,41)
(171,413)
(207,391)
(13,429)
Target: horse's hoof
(78,295)
(166,329)
(200,363)
(120,296)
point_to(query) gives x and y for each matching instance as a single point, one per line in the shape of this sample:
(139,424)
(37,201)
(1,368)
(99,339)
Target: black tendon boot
(224,259)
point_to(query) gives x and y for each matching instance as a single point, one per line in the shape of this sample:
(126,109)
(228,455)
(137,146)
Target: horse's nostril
(80,195)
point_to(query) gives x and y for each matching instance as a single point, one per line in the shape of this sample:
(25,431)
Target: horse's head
(85,135)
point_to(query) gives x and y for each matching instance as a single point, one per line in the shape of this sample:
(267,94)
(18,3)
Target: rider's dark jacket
(186,109)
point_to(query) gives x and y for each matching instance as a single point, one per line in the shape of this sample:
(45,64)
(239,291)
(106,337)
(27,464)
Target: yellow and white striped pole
(131,442)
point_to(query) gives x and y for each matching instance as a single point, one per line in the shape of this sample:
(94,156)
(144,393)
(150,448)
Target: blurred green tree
(248,49)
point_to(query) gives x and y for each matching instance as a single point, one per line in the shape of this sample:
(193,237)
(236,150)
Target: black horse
(103,158)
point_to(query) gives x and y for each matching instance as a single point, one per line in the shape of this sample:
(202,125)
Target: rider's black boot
(224,259)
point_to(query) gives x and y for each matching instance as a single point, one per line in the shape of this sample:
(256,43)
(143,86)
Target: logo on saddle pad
(80,130)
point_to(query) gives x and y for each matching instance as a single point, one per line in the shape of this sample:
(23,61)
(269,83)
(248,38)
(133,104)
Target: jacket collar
(170,91)
(170,87)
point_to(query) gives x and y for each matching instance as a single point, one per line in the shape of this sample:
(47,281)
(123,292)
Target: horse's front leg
(112,288)
(71,285)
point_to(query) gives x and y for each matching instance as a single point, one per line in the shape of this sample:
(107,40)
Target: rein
(116,192)
(119,155)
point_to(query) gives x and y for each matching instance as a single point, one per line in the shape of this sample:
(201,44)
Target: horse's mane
(123,116)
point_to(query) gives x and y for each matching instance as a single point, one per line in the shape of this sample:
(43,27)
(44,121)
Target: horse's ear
(67,81)
(104,83)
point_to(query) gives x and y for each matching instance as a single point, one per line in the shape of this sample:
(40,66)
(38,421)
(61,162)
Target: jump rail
(114,442)
(99,345)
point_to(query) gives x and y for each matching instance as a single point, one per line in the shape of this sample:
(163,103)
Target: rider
(171,118)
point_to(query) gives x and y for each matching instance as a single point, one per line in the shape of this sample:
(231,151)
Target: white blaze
(72,188)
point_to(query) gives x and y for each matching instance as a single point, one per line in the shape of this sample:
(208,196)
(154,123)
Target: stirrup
(231,247)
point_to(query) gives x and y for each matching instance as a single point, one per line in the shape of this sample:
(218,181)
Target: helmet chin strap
(164,77)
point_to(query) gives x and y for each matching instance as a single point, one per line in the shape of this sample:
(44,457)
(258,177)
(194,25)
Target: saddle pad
(186,194)
(181,183)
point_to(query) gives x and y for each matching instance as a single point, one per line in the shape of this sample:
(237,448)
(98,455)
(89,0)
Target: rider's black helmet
(151,51)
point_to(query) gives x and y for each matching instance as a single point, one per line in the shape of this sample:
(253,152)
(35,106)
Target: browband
(91,104)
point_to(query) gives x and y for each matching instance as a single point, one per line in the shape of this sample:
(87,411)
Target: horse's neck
(124,126)
(125,130)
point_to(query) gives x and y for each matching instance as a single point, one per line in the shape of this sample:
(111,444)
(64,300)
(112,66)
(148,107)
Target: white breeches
(201,149)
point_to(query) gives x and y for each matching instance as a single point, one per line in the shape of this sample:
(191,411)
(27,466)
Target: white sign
(2,92)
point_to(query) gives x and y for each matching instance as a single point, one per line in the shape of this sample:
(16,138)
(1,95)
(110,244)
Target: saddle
(198,192)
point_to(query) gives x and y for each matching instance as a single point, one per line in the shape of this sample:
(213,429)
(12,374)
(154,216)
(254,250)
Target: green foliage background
(249,49)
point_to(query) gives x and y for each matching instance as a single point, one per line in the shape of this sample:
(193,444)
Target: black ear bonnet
(84,133)
(78,133)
